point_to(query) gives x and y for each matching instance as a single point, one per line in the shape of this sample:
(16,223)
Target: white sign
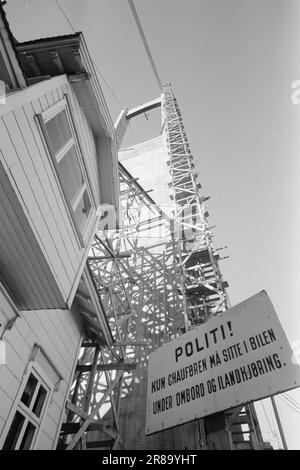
(2,353)
(239,356)
(2,92)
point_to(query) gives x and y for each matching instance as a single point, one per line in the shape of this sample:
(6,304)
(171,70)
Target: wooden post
(282,436)
(94,412)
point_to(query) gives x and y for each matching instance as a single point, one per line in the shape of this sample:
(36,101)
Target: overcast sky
(231,64)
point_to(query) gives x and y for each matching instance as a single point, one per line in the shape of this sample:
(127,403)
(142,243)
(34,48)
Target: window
(28,415)
(61,139)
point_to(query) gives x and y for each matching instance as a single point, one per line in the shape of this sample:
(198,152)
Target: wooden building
(58,168)
(79,314)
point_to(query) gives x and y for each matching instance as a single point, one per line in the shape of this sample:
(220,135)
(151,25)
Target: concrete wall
(148,162)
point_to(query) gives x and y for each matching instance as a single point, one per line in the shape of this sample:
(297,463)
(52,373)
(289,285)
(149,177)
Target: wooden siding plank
(71,327)
(49,98)
(9,383)
(44,442)
(60,324)
(40,160)
(72,320)
(55,95)
(17,245)
(43,338)
(6,404)
(22,172)
(50,426)
(87,143)
(26,332)
(17,342)
(59,396)
(16,179)
(2,423)
(60,92)
(13,362)
(43,102)
(15,100)
(54,411)
(49,325)
(31,110)
(17,269)
(47,338)
(29,327)
(37,182)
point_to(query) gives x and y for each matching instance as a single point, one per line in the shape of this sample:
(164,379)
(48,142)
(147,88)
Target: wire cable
(295,402)
(65,16)
(267,418)
(95,65)
(140,29)
(110,89)
(289,404)
(272,429)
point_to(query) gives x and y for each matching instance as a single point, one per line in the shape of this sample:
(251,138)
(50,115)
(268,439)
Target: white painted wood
(60,345)
(54,194)
(20,347)
(50,425)
(33,178)
(18,251)
(2,423)
(55,95)
(52,108)
(13,361)
(9,383)
(59,256)
(31,190)
(5,405)
(60,339)
(51,347)
(87,143)
(20,183)
(54,411)
(19,98)
(44,442)
(60,321)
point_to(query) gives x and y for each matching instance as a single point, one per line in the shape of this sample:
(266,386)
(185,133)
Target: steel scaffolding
(156,278)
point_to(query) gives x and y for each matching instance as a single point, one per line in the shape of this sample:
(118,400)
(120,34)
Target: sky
(231,64)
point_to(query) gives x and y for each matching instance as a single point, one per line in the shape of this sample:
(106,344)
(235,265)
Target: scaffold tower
(157,276)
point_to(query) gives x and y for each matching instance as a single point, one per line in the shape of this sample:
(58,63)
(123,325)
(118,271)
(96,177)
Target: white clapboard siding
(44,442)
(8,383)
(50,426)
(5,405)
(58,333)
(30,171)
(54,410)
(23,265)
(87,142)
(31,188)
(48,200)
(53,192)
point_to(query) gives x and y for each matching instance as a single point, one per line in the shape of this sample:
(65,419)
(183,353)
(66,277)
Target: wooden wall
(58,332)
(31,174)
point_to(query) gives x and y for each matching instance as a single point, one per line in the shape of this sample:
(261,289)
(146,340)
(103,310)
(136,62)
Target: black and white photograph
(149,228)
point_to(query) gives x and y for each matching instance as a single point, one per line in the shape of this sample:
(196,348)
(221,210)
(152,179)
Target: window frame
(43,118)
(26,412)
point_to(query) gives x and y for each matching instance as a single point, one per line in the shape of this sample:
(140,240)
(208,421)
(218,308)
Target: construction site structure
(96,271)
(157,276)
